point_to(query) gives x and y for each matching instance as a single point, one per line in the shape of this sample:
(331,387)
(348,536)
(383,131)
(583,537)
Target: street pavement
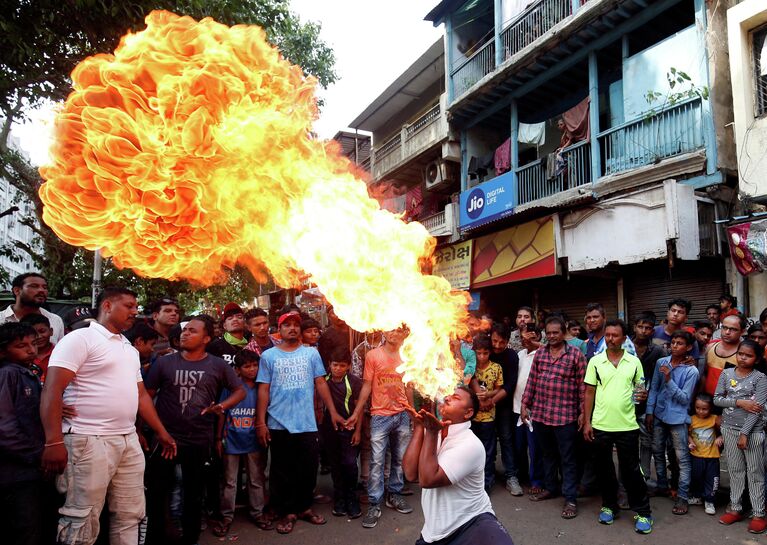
(528,523)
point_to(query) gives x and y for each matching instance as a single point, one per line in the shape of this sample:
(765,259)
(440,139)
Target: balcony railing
(365,165)
(536,181)
(422,122)
(443,223)
(473,69)
(673,131)
(533,23)
(390,146)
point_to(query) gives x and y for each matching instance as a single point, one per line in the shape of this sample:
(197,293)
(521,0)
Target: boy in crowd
(44,331)
(649,354)
(310,332)
(258,324)
(21,438)
(236,442)
(144,338)
(705,440)
(671,393)
(526,443)
(489,378)
(343,445)
(504,415)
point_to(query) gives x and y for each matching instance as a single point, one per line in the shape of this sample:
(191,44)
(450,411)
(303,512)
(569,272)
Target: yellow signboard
(453,263)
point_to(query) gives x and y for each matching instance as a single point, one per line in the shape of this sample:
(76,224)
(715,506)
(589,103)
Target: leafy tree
(42,41)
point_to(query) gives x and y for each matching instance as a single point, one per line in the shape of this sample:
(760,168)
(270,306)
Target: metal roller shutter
(572,296)
(652,286)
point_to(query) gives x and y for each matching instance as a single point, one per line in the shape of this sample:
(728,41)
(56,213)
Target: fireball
(189,150)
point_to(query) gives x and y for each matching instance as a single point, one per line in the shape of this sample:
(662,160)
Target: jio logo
(475,203)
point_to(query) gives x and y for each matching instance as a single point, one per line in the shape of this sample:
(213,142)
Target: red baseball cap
(287,316)
(230,310)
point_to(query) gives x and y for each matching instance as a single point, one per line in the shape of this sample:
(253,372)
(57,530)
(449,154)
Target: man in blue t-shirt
(678,309)
(288,376)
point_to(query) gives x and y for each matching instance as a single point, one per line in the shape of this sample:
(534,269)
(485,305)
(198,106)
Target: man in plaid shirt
(553,401)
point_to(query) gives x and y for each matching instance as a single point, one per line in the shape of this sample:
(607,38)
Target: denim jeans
(504,429)
(391,430)
(528,454)
(677,434)
(485,431)
(558,443)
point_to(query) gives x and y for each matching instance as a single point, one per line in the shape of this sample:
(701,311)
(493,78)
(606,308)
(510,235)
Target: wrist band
(53,444)
(260,425)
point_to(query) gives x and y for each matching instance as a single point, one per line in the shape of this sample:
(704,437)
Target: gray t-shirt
(730,389)
(185,388)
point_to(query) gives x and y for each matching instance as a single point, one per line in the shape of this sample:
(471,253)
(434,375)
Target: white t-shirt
(525,363)
(57,324)
(104,391)
(446,508)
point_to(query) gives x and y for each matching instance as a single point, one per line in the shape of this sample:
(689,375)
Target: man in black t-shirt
(233,340)
(187,384)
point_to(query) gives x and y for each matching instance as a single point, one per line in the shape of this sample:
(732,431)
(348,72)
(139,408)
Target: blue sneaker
(606,516)
(643,525)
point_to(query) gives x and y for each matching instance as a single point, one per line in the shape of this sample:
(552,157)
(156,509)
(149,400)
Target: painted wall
(632,228)
(647,70)
(750,132)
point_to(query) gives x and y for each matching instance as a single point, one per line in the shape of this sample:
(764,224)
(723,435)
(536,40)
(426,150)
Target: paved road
(528,523)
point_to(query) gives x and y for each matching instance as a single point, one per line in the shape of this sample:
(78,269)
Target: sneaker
(353,510)
(757,525)
(709,508)
(643,525)
(513,486)
(731,517)
(396,501)
(606,516)
(339,507)
(371,517)
(695,501)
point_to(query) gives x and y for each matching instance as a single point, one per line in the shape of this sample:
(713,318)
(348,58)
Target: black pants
(342,457)
(483,529)
(161,478)
(627,445)
(21,513)
(558,445)
(704,481)
(293,470)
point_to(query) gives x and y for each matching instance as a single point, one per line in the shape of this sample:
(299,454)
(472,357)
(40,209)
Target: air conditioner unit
(439,174)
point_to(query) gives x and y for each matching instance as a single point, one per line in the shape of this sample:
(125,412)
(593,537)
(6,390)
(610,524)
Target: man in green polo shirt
(611,380)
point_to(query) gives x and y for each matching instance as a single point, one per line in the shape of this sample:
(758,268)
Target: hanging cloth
(533,133)
(502,158)
(577,120)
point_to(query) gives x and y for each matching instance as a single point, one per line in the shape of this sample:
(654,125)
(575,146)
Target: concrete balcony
(420,135)
(443,223)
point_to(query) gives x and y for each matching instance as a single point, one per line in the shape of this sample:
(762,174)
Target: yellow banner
(453,263)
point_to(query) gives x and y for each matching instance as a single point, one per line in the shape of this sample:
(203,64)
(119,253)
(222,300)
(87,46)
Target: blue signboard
(487,202)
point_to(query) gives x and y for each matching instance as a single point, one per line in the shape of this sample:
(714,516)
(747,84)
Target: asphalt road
(528,523)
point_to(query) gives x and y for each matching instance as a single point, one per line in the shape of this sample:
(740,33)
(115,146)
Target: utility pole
(96,286)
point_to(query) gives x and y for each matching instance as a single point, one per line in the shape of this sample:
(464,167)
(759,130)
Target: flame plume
(188,150)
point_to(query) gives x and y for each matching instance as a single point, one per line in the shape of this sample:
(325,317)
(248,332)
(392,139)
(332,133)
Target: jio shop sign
(487,202)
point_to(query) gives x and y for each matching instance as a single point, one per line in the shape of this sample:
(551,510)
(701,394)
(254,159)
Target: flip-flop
(569,510)
(312,518)
(541,496)
(286,524)
(221,529)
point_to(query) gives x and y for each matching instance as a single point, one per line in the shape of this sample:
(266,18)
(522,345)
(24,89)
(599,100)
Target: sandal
(544,495)
(569,510)
(286,524)
(680,507)
(312,518)
(220,529)
(262,522)
(535,490)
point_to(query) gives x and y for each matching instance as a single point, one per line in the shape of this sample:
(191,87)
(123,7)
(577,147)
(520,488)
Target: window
(759,40)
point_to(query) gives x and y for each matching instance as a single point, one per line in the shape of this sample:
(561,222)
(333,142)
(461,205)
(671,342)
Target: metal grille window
(759,40)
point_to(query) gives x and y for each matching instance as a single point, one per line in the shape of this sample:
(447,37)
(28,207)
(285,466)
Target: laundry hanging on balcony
(502,157)
(577,121)
(532,133)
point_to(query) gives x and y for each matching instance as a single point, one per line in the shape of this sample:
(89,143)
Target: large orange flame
(188,150)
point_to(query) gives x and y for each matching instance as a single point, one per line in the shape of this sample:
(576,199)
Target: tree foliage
(42,41)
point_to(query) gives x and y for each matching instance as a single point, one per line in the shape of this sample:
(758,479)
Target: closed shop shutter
(572,296)
(651,286)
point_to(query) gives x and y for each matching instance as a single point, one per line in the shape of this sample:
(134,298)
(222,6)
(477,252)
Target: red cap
(287,316)
(230,310)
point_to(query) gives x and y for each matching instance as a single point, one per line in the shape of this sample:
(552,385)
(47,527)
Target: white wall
(632,228)
(750,132)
